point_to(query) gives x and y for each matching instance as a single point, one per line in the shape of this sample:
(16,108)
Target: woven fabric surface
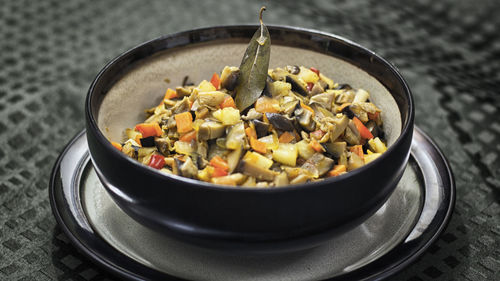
(448,51)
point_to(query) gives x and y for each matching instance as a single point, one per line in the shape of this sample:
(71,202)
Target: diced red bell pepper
(315,70)
(310,86)
(215,81)
(156,161)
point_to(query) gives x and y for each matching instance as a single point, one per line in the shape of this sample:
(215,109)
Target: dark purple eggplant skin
(261,128)
(280,122)
(148,141)
(228,219)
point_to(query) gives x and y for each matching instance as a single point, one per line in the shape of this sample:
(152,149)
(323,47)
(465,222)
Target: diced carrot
(149,129)
(215,81)
(316,145)
(267,105)
(170,94)
(318,134)
(337,170)
(184,122)
(251,132)
(363,131)
(358,149)
(117,145)
(188,137)
(228,102)
(373,116)
(304,106)
(218,172)
(286,137)
(315,70)
(258,145)
(218,162)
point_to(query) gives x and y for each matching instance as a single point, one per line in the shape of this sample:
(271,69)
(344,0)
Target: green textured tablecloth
(449,52)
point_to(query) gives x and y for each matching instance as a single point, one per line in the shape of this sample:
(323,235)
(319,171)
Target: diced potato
(286,154)
(304,149)
(258,160)
(227,115)
(377,145)
(205,174)
(206,86)
(308,75)
(280,88)
(371,156)
(361,96)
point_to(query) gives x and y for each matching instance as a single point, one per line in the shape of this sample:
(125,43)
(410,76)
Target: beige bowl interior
(144,85)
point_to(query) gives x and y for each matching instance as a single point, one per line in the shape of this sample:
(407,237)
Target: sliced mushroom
(297,86)
(253,170)
(210,130)
(325,100)
(211,99)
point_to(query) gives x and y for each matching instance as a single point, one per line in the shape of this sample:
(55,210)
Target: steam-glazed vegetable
(259,127)
(294,134)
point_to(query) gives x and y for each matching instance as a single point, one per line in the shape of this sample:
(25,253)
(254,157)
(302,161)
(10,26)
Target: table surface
(448,51)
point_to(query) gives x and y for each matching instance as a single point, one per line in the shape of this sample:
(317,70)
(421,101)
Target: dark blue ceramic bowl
(233,219)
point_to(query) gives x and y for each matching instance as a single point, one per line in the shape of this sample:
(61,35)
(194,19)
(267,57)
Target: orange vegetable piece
(219,163)
(251,132)
(258,145)
(138,139)
(170,94)
(304,106)
(337,170)
(117,145)
(363,131)
(267,105)
(184,122)
(358,149)
(373,116)
(188,137)
(156,161)
(316,145)
(215,81)
(228,102)
(149,129)
(286,137)
(218,172)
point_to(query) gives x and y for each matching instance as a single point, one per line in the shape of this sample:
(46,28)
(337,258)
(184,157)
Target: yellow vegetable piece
(377,145)
(308,75)
(227,115)
(206,86)
(370,157)
(258,159)
(286,154)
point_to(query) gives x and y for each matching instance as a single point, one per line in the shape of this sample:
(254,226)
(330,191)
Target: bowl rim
(92,123)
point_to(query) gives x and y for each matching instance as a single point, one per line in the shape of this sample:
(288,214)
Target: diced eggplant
(267,91)
(286,154)
(296,85)
(288,107)
(211,99)
(183,91)
(344,96)
(261,128)
(343,86)
(279,74)
(361,96)
(317,89)
(186,148)
(318,164)
(351,134)
(354,162)
(233,158)
(210,130)
(340,127)
(236,137)
(233,179)
(181,106)
(176,166)
(280,122)
(304,149)
(302,178)
(348,112)
(374,129)
(256,171)
(293,69)
(229,78)
(148,141)
(336,148)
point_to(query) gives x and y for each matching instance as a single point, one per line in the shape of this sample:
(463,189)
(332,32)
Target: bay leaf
(253,67)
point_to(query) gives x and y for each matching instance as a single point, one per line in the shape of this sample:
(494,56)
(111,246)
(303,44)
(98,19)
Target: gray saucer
(398,232)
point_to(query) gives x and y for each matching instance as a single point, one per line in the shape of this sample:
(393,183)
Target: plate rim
(367,272)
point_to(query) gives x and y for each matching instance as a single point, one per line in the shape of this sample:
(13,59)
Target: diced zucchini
(286,154)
